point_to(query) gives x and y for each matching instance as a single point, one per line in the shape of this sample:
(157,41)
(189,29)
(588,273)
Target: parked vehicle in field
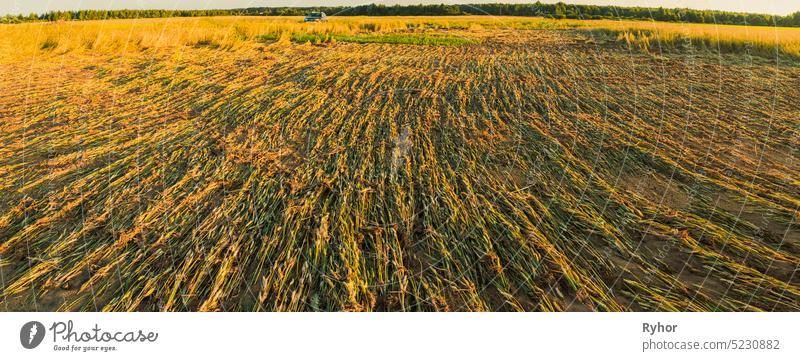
(315,17)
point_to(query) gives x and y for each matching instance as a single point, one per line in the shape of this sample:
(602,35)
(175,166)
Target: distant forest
(557,11)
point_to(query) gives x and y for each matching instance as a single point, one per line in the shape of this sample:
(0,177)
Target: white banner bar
(398,336)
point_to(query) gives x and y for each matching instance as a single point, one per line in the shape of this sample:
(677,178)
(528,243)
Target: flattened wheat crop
(187,164)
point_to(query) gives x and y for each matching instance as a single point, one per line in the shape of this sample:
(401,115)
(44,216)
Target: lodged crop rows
(531,170)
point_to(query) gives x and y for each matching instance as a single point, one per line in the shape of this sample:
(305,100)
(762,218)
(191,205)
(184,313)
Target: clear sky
(781,7)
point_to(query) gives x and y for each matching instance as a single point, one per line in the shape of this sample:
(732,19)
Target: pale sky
(780,7)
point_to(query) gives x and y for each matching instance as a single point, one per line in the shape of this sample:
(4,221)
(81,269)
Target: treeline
(114,14)
(557,11)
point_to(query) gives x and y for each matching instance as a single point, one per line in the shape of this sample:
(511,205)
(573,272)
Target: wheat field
(513,164)
(97,37)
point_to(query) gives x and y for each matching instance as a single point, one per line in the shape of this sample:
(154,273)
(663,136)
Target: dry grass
(180,164)
(230,32)
(655,37)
